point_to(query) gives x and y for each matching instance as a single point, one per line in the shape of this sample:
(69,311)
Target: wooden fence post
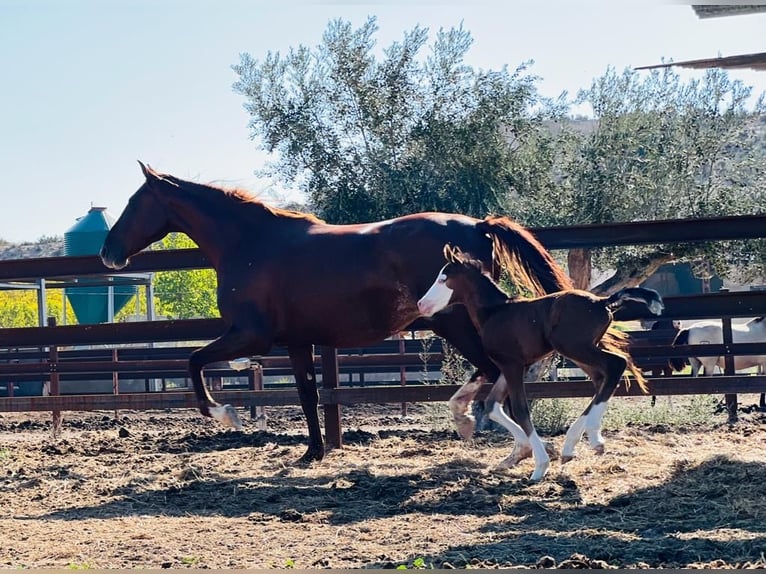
(255,383)
(115,383)
(330,378)
(53,360)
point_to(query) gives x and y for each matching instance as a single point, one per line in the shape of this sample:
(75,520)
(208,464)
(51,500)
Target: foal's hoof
(519,453)
(598,449)
(565,458)
(551,450)
(227,416)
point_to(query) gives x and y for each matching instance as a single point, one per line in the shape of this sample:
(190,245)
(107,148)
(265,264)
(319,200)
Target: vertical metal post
(110,302)
(150,299)
(53,359)
(731,399)
(42,303)
(330,378)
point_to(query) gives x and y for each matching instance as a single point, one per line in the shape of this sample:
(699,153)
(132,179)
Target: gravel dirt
(173,490)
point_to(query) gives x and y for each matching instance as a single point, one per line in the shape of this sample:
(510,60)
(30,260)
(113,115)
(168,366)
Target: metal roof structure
(755,61)
(719,10)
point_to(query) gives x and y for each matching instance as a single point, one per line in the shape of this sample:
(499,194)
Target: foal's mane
(244,196)
(455,255)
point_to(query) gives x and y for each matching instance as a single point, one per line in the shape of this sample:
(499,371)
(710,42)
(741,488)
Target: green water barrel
(90,303)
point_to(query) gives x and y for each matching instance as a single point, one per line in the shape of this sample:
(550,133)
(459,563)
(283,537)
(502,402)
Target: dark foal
(518,332)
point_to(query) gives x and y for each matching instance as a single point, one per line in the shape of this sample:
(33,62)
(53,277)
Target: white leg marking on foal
(542,461)
(525,447)
(227,416)
(498,415)
(593,427)
(574,434)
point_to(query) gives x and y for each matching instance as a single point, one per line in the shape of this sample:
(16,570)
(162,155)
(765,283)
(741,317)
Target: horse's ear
(149,173)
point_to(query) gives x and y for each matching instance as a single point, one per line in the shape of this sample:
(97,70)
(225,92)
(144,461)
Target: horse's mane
(245,196)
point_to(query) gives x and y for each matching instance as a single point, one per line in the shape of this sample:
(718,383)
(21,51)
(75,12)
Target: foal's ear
(451,254)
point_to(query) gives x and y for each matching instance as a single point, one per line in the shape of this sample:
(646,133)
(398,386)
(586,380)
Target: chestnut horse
(518,332)
(287,278)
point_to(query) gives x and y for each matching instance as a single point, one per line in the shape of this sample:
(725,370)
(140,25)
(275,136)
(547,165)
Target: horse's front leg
(235,342)
(302,361)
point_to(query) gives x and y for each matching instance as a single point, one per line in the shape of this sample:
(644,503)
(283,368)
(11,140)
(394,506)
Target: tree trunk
(579,265)
(633,274)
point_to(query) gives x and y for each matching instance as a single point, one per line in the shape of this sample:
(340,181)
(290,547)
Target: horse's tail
(615,341)
(678,363)
(522,255)
(648,297)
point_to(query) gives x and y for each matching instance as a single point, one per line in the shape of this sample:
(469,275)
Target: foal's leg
(302,361)
(605,370)
(235,342)
(528,443)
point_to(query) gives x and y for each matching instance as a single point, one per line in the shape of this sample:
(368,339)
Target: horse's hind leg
(459,403)
(302,361)
(605,370)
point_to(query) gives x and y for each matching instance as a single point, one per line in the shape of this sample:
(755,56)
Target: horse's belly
(347,321)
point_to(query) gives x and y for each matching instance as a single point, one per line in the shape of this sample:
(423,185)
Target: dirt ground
(173,490)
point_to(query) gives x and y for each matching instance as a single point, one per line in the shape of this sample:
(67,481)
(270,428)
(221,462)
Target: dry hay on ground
(174,490)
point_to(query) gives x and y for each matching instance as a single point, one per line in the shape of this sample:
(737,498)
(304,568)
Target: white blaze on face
(437,297)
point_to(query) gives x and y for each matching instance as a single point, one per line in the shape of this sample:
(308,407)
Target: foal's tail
(615,341)
(525,259)
(648,297)
(678,363)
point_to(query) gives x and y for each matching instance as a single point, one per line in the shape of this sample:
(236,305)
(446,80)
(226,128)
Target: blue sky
(90,86)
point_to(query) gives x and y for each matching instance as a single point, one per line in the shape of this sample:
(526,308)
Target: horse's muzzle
(110,260)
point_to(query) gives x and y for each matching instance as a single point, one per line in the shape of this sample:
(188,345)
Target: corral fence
(54,354)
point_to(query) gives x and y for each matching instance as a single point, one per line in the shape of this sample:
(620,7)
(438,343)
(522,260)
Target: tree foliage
(184,294)
(658,148)
(371,138)
(18,308)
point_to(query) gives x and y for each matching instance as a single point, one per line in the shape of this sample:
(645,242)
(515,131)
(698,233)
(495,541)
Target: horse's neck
(218,223)
(481,300)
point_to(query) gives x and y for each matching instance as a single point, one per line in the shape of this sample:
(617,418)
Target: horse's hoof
(565,458)
(465,428)
(227,416)
(312,454)
(598,449)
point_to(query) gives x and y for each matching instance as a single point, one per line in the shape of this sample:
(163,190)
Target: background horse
(711,333)
(518,332)
(288,278)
